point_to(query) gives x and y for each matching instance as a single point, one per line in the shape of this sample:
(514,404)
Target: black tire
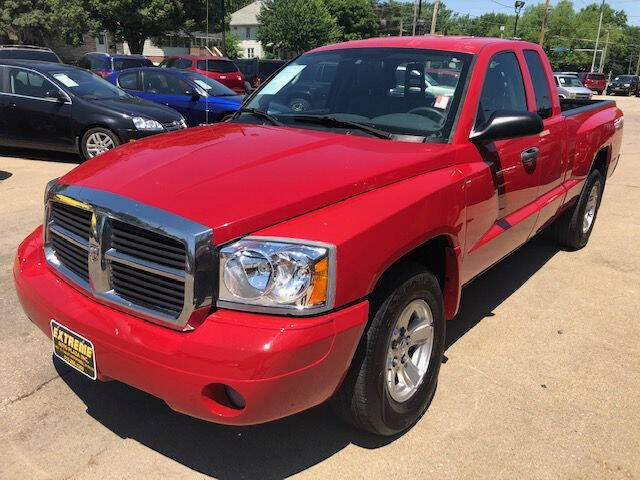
(363,398)
(96,131)
(568,229)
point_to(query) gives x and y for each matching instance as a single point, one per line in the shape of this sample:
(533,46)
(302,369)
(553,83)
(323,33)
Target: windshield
(88,85)
(210,86)
(218,66)
(42,55)
(623,78)
(570,81)
(385,88)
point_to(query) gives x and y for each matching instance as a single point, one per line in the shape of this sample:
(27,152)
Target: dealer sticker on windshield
(73,349)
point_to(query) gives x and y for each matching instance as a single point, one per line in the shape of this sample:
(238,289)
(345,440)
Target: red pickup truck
(252,269)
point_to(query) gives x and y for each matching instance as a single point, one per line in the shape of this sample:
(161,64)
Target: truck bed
(574,106)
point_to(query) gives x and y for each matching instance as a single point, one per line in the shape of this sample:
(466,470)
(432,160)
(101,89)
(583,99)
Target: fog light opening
(236,400)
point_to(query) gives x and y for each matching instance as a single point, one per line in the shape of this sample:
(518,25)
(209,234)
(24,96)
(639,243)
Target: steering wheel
(429,112)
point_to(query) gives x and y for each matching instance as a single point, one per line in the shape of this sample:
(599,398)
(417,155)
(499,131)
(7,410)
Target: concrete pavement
(542,378)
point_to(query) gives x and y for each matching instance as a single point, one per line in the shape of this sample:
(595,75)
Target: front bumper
(624,90)
(280,365)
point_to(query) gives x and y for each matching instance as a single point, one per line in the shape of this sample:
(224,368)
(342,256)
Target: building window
(100,39)
(247,33)
(250,53)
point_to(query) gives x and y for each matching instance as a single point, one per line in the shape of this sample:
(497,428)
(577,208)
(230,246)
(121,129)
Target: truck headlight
(274,275)
(142,123)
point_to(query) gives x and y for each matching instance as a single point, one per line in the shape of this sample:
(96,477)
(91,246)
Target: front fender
(375,229)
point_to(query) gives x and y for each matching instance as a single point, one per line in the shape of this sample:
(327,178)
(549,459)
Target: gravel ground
(542,377)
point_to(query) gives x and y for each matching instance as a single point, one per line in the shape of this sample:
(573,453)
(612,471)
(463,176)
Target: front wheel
(96,141)
(394,373)
(573,228)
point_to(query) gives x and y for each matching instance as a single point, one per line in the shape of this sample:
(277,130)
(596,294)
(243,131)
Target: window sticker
(202,84)
(441,102)
(65,80)
(280,80)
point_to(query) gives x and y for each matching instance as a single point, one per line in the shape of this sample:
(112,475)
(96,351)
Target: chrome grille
(142,243)
(73,219)
(71,255)
(131,256)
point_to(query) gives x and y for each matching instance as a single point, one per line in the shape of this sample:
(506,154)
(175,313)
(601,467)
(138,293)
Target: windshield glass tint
(402,91)
(624,78)
(124,63)
(570,81)
(219,66)
(210,86)
(88,85)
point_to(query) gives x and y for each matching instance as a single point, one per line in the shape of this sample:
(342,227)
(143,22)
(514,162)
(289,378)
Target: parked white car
(570,86)
(431,85)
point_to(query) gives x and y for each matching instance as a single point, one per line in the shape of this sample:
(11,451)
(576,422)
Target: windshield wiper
(260,114)
(330,121)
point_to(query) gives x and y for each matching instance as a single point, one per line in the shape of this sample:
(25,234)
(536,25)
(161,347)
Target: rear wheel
(573,228)
(394,373)
(96,141)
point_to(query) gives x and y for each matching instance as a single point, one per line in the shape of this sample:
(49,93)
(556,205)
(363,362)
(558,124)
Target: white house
(244,23)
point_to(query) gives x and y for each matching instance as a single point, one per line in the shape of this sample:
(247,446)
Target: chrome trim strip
(291,310)
(200,266)
(69,236)
(145,265)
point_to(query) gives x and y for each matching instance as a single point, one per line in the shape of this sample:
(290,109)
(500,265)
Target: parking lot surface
(542,378)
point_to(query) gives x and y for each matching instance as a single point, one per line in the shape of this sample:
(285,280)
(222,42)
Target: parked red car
(252,269)
(596,82)
(218,68)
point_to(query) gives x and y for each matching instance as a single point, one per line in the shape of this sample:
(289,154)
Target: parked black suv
(59,107)
(624,85)
(256,71)
(28,52)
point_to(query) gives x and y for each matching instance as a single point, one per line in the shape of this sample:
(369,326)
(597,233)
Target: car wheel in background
(299,105)
(393,375)
(573,228)
(96,141)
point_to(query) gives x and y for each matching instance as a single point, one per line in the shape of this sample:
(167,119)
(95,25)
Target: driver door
(33,118)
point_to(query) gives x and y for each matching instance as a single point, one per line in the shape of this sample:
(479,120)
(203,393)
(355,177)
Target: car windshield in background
(388,89)
(17,54)
(218,66)
(210,86)
(624,78)
(569,81)
(88,85)
(124,63)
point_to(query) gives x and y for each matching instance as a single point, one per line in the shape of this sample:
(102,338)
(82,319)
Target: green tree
(232,45)
(355,18)
(293,26)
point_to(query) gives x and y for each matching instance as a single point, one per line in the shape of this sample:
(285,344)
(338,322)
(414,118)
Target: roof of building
(247,15)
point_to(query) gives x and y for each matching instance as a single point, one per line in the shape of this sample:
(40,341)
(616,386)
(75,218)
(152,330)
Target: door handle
(530,155)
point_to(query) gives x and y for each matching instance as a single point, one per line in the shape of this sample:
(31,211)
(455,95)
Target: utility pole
(603,56)
(518,6)
(595,51)
(544,22)
(415,16)
(629,69)
(435,16)
(638,65)
(224,43)
(401,29)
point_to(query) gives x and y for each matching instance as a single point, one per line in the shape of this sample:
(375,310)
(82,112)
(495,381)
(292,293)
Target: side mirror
(505,124)
(56,95)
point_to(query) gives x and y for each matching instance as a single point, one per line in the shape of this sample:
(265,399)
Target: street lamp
(518,6)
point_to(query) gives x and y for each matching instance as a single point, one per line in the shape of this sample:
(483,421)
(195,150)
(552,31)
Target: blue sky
(478,7)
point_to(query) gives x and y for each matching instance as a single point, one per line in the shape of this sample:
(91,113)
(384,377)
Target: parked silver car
(570,86)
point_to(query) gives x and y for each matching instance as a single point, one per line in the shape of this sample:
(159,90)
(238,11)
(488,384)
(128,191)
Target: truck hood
(239,178)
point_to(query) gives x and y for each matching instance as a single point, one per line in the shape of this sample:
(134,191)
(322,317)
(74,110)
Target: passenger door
(513,166)
(552,160)
(34,118)
(172,91)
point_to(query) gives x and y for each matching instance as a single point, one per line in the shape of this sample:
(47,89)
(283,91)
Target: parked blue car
(104,64)
(198,98)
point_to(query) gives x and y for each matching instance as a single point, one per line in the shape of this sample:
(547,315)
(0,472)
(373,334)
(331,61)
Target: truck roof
(434,42)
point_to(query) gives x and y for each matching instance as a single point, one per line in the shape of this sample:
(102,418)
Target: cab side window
(503,87)
(129,81)
(540,85)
